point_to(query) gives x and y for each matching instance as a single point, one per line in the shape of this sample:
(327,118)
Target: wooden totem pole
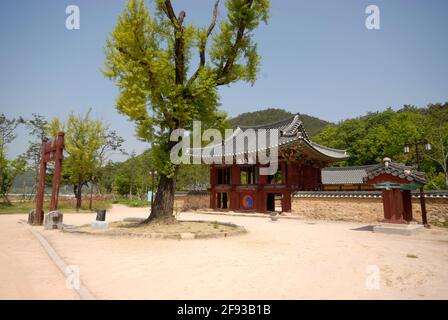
(51,150)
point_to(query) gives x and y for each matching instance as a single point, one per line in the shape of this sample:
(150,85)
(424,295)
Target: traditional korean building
(239,186)
(397,180)
(346,178)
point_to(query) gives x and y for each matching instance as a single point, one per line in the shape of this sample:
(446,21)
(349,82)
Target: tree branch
(169,11)
(234,51)
(203,44)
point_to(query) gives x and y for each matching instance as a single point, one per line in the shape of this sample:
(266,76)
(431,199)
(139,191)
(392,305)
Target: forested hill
(312,125)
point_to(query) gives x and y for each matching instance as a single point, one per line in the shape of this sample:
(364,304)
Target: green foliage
(83,139)
(87,142)
(134,203)
(370,138)
(9,170)
(131,177)
(193,177)
(149,56)
(436,180)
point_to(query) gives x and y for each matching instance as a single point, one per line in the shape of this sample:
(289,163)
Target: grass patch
(24,207)
(137,203)
(139,229)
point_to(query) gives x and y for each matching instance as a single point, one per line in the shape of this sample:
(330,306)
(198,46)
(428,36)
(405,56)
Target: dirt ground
(287,259)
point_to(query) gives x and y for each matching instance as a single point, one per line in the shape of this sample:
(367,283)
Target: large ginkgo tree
(168,72)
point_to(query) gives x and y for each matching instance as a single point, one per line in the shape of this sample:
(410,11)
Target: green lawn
(132,203)
(69,206)
(65,206)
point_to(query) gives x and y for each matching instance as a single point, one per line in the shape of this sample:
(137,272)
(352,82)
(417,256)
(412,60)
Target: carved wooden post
(39,214)
(58,155)
(49,152)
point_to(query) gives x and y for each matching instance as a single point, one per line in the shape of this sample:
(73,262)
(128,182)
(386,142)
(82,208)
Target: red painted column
(407,205)
(235,180)
(261,201)
(393,206)
(284,175)
(387,195)
(212,199)
(286,202)
(213,178)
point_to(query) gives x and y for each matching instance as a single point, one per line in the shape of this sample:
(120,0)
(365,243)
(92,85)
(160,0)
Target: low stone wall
(364,209)
(186,202)
(368,209)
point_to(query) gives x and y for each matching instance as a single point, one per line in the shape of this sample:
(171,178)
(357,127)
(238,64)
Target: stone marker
(99,225)
(31,217)
(101,215)
(53,220)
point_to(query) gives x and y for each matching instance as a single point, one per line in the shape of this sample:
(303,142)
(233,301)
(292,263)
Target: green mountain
(313,125)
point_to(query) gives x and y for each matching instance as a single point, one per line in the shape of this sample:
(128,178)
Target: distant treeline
(370,138)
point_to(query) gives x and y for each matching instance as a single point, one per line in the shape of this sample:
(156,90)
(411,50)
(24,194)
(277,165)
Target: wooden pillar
(39,213)
(393,206)
(261,201)
(407,205)
(212,199)
(235,180)
(235,175)
(234,200)
(57,171)
(218,201)
(387,200)
(286,202)
(283,171)
(213,177)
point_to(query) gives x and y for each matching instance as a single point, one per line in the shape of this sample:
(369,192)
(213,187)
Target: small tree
(437,133)
(87,143)
(37,128)
(149,58)
(9,169)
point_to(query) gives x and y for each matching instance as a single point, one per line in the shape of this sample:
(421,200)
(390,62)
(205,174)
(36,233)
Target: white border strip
(83,292)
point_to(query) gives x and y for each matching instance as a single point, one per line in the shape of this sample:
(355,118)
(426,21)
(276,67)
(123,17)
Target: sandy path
(26,271)
(285,260)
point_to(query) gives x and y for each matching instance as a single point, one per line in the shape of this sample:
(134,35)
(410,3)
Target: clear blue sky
(318,59)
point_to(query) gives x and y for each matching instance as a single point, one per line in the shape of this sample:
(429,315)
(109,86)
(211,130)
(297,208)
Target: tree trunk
(162,210)
(79,194)
(446,181)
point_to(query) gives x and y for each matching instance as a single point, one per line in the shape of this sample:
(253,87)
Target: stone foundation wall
(192,202)
(368,210)
(365,209)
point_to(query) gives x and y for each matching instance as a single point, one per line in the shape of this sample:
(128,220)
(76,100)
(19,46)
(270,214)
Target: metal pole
(422,192)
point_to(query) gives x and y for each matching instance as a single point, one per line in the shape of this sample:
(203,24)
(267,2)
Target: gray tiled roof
(345,175)
(360,174)
(290,130)
(396,169)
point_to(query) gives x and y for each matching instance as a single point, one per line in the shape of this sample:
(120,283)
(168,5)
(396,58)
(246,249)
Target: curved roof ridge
(327,148)
(272,124)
